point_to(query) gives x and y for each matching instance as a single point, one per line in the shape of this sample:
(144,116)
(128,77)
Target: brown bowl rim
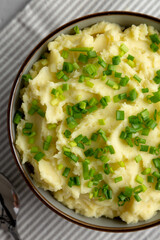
(10,106)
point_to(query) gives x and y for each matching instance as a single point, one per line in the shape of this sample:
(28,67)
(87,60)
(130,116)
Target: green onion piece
(91,70)
(102,62)
(82,105)
(107,72)
(18,116)
(112,84)
(60,166)
(144,148)
(136,77)
(93,101)
(81,78)
(47,142)
(119,115)
(104,159)
(111,67)
(41,112)
(151,123)
(73,144)
(145,131)
(64,54)
(34,149)
(116,60)
(39,156)
(155,115)
(68,67)
(71,155)
(31,140)
(85,170)
(154,38)
(138,189)
(65,87)
(124,48)
(118,179)
(102,134)
(138,158)
(145,90)
(59,75)
(66,172)
(65,77)
(92,54)
(156,97)
(156,162)
(80,49)
(26,77)
(34,107)
(131,63)
(71,122)
(139,179)
(94,137)
(121,164)
(66,149)
(54,91)
(51,126)
(123,135)
(76,29)
(76,66)
(78,138)
(145,115)
(156,79)
(130,57)
(92,109)
(129,141)
(117,74)
(154,47)
(150,179)
(128,191)
(67,133)
(111,149)
(104,101)
(124,81)
(132,95)
(83,58)
(146,171)
(101,121)
(89,84)
(157,187)
(156,174)
(137,197)
(89,152)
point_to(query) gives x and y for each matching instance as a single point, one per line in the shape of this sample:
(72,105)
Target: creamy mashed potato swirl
(91,126)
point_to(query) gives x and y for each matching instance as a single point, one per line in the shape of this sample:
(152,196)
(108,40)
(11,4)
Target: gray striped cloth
(40,17)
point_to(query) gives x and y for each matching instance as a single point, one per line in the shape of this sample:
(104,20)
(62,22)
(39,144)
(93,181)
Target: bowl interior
(124,19)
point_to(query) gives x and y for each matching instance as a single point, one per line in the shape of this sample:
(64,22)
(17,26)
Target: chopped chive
(117,74)
(137,78)
(68,67)
(157,187)
(39,156)
(102,134)
(71,122)
(145,90)
(59,75)
(76,29)
(75,65)
(83,58)
(102,62)
(91,70)
(80,145)
(150,179)
(107,72)
(118,179)
(85,170)
(104,159)
(18,116)
(124,48)
(41,112)
(89,84)
(146,171)
(155,114)
(131,63)
(111,149)
(60,166)
(156,174)
(93,101)
(132,95)
(112,84)
(73,144)
(154,47)
(156,97)
(139,179)
(34,149)
(47,142)
(64,54)
(119,115)
(138,158)
(111,67)
(101,121)
(81,49)
(151,123)
(65,87)
(116,60)
(130,57)
(66,172)
(144,148)
(94,137)
(81,78)
(31,140)
(92,109)
(71,155)
(156,162)
(78,138)
(92,54)
(156,79)
(124,81)
(137,197)
(89,152)
(67,133)
(104,101)
(145,115)
(154,38)
(121,164)
(51,126)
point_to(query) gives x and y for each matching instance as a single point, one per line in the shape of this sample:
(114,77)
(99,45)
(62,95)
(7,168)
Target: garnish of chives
(136,77)
(71,122)
(92,54)
(51,126)
(104,159)
(102,62)
(112,84)
(94,137)
(85,170)
(145,90)
(145,115)
(60,166)
(76,66)
(124,48)
(138,158)
(131,63)
(18,116)
(71,155)
(92,109)
(83,58)
(117,74)
(130,57)
(93,101)
(39,156)
(34,149)
(59,75)
(119,115)
(68,67)
(139,179)
(144,148)
(101,121)
(133,95)
(76,30)
(102,134)
(89,152)
(67,133)
(118,179)
(150,179)
(64,54)
(111,67)
(154,38)
(47,142)
(90,69)
(81,49)
(154,47)
(26,77)
(116,60)
(137,197)
(121,164)
(146,171)
(65,87)
(66,172)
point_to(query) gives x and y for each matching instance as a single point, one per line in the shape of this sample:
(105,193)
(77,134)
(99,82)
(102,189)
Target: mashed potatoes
(91,126)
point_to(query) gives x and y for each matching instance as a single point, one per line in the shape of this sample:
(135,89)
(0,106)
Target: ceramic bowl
(104,224)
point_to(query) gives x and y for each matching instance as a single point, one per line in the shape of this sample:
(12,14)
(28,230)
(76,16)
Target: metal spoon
(9,207)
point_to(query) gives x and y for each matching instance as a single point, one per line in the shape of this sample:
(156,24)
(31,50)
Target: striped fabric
(35,221)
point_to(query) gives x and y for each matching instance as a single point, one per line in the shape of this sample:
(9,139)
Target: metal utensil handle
(13,231)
